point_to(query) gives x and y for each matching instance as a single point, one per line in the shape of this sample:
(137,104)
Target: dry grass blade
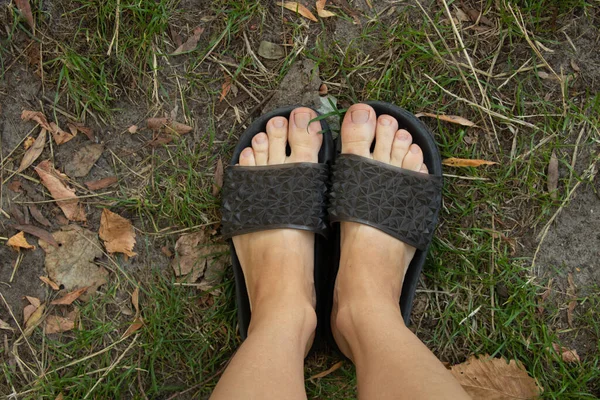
(333,368)
(299,9)
(464,162)
(454,119)
(34,151)
(553,175)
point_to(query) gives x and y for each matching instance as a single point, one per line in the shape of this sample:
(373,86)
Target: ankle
(353,315)
(291,313)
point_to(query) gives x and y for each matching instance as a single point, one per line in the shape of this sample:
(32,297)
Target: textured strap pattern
(273,197)
(399,202)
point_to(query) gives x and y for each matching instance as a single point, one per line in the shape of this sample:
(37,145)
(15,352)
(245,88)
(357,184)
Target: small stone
(271,51)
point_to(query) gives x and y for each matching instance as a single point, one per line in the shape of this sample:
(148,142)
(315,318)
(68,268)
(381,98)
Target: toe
(413,159)
(384,137)
(305,137)
(247,158)
(260,145)
(277,131)
(358,130)
(400,147)
(424,169)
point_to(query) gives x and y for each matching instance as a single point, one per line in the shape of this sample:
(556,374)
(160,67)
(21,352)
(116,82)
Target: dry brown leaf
(333,368)
(463,162)
(553,175)
(59,397)
(462,16)
(165,250)
(25,9)
(57,324)
(495,379)
(28,310)
(4,325)
(101,183)
(225,88)
(49,282)
(59,135)
(34,151)
(135,300)
(137,323)
(84,159)
(321,11)
(18,241)
(179,128)
(544,296)
(34,301)
(38,232)
(454,119)
(72,263)
(53,180)
(34,320)
(567,355)
(76,127)
(299,9)
(36,116)
(117,233)
(191,43)
(575,66)
(189,256)
(218,184)
(156,123)
(216,264)
(15,186)
(37,215)
(132,129)
(28,142)
(70,297)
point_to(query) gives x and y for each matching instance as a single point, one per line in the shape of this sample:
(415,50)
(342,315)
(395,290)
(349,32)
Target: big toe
(304,136)
(358,130)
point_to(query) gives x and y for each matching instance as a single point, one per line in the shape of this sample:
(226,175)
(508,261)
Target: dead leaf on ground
(28,115)
(59,397)
(553,175)
(544,296)
(567,355)
(34,301)
(477,16)
(191,43)
(270,51)
(137,323)
(76,127)
(575,66)
(34,320)
(132,129)
(101,183)
(5,326)
(28,142)
(34,151)
(299,9)
(225,88)
(157,124)
(18,241)
(321,11)
(333,368)
(178,128)
(57,324)
(571,291)
(49,282)
(462,16)
(70,297)
(28,310)
(38,216)
(38,232)
(495,379)
(72,263)
(15,186)
(135,300)
(196,257)
(25,9)
(165,250)
(60,136)
(84,159)
(454,119)
(117,233)
(464,162)
(52,179)
(218,184)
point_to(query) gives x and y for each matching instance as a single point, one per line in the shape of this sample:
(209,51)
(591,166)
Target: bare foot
(278,264)
(372,263)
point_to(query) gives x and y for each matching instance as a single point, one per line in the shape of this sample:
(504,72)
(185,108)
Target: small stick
(115,38)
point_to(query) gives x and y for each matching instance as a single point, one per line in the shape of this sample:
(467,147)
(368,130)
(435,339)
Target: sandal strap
(275,197)
(402,203)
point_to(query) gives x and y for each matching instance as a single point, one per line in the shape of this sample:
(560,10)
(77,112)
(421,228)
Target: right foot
(372,263)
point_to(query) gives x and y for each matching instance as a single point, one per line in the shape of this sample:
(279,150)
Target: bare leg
(391,362)
(278,267)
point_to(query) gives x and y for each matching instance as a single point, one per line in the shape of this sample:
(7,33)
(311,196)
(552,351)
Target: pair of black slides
(340,187)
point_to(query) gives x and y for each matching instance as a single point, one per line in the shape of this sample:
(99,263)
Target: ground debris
(117,233)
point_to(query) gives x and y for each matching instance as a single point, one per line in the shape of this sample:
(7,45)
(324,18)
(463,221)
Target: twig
(260,65)
(468,178)
(115,38)
(574,158)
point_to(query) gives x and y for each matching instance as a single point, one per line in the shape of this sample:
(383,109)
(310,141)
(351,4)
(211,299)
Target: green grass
(477,261)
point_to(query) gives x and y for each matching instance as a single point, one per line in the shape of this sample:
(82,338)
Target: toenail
(403,136)
(260,139)
(360,116)
(278,122)
(302,119)
(385,121)
(414,149)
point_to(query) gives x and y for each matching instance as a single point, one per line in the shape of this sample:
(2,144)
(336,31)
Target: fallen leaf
(567,355)
(553,175)
(25,9)
(59,135)
(543,75)
(38,232)
(333,368)
(299,9)
(495,379)
(34,151)
(49,282)
(28,310)
(15,212)
(323,90)
(476,16)
(135,300)
(270,51)
(5,326)
(196,257)
(70,297)
(165,250)
(575,66)
(137,323)
(72,263)
(179,128)
(455,119)
(34,301)
(101,183)
(117,233)
(15,186)
(57,324)
(37,215)
(321,11)
(36,116)
(544,296)
(28,142)
(18,241)
(216,264)
(156,124)
(132,129)
(463,162)
(218,184)
(191,43)
(225,88)
(59,397)
(76,127)
(34,320)
(462,16)
(53,180)
(84,159)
